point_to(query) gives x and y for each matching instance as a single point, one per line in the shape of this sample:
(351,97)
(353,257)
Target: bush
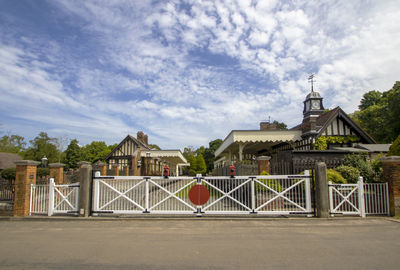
(335,177)
(272,183)
(41,172)
(394,149)
(362,164)
(8,174)
(351,174)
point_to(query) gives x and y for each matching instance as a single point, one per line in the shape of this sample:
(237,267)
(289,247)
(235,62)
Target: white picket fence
(273,195)
(54,199)
(359,199)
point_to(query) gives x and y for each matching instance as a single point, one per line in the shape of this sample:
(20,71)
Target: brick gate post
(263,164)
(391,175)
(115,169)
(321,191)
(101,167)
(24,177)
(57,172)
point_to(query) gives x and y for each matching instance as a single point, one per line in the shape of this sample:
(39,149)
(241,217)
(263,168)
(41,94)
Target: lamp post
(44,161)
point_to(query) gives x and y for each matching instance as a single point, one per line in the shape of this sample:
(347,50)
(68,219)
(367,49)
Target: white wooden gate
(359,199)
(275,195)
(54,199)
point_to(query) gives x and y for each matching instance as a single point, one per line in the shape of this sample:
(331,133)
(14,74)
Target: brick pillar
(263,164)
(391,175)
(24,177)
(126,170)
(101,167)
(115,169)
(57,172)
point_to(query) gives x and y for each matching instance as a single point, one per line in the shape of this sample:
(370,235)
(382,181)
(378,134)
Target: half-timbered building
(323,135)
(136,155)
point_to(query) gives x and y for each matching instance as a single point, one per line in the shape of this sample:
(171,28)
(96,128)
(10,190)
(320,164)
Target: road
(200,244)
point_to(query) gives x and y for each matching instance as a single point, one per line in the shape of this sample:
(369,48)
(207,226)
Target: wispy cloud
(187,72)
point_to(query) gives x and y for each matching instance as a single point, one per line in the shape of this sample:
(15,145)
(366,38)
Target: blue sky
(186,72)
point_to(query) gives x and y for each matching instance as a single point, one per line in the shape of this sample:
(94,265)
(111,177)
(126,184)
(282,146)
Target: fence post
(330,197)
(361,201)
(50,209)
(307,186)
(85,190)
(321,191)
(253,196)
(147,194)
(96,192)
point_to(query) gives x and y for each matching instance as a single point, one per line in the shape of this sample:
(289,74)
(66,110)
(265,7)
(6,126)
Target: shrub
(360,162)
(8,174)
(272,183)
(335,177)
(351,174)
(41,172)
(394,149)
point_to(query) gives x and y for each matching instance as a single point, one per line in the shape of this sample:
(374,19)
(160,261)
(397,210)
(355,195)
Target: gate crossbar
(226,194)
(64,198)
(280,194)
(172,195)
(345,198)
(121,194)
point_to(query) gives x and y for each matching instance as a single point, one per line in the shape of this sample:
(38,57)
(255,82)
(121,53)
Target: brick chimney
(146,139)
(140,136)
(267,126)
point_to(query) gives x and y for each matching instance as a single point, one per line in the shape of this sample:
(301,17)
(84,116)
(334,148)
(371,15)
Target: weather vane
(311,80)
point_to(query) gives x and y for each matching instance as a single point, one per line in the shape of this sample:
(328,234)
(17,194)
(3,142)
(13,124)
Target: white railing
(376,199)
(359,199)
(54,199)
(283,194)
(39,199)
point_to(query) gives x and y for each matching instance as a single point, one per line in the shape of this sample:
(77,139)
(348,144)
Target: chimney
(140,136)
(146,139)
(267,126)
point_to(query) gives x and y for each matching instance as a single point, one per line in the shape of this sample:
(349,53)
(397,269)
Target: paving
(199,243)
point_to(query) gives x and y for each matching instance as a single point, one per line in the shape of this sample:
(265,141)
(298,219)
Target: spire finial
(311,80)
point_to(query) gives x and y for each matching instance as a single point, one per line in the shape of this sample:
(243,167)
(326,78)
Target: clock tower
(313,108)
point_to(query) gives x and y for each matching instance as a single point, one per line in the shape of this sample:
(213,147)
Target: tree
(394,149)
(154,146)
(370,98)
(280,125)
(379,116)
(209,153)
(42,145)
(95,151)
(73,154)
(201,164)
(12,144)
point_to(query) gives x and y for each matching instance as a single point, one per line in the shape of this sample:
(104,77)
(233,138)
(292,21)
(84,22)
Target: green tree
(42,145)
(209,153)
(193,164)
(201,164)
(12,144)
(154,146)
(280,125)
(379,116)
(95,151)
(370,98)
(73,154)
(394,149)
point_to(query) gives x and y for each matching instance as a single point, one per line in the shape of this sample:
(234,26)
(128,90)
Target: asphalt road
(201,244)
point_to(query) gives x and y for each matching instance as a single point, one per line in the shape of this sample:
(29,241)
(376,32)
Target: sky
(186,72)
